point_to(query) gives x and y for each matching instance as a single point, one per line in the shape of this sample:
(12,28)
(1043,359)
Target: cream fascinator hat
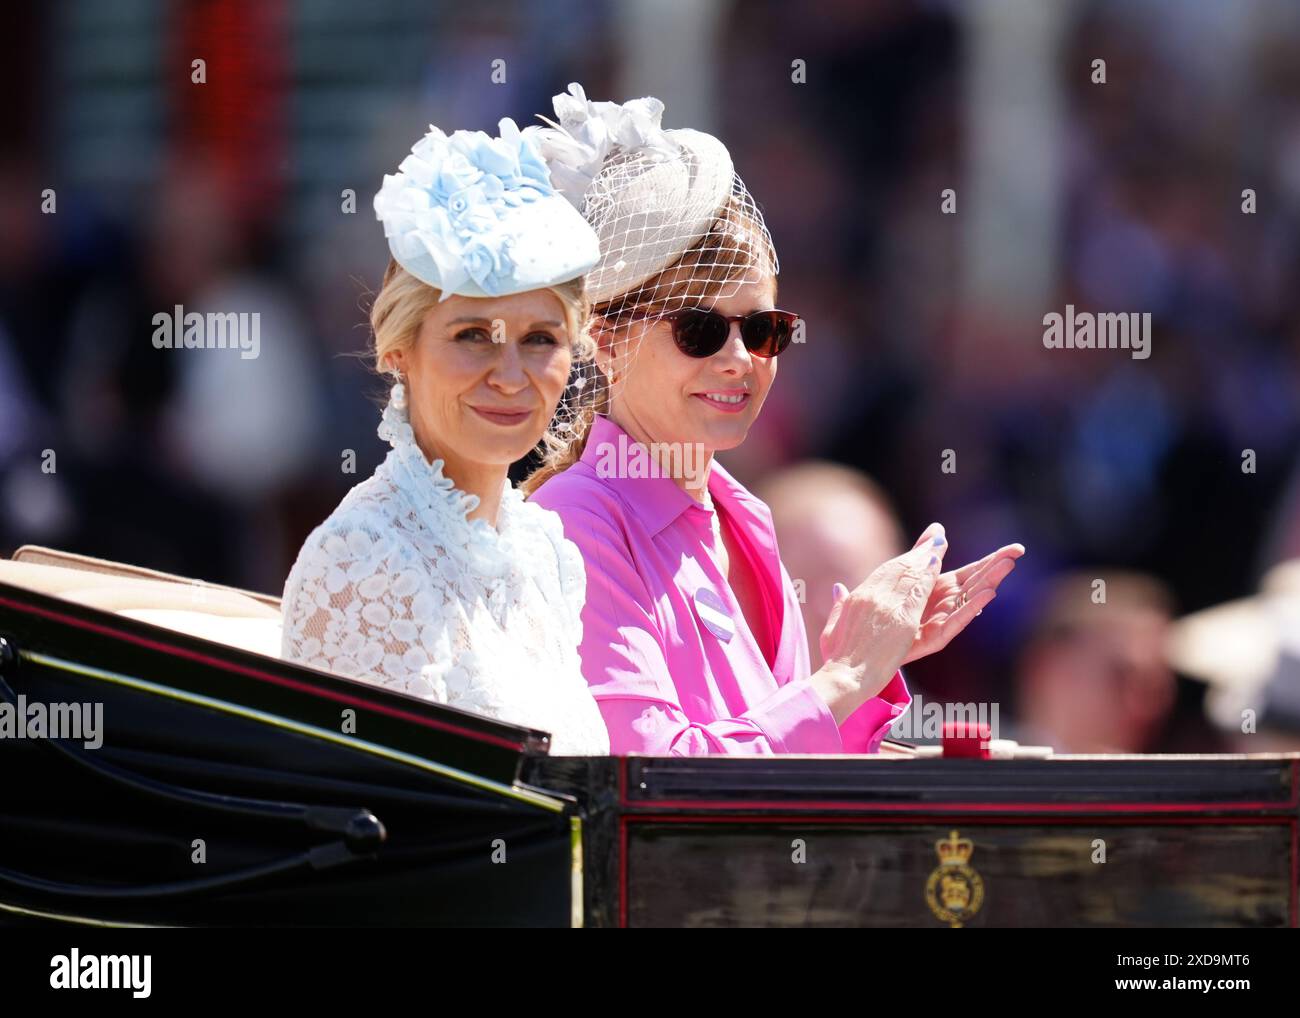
(1248,651)
(651,195)
(474,215)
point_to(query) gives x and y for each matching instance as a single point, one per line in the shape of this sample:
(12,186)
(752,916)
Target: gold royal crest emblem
(954,891)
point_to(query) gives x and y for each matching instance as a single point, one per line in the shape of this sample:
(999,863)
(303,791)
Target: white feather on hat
(649,194)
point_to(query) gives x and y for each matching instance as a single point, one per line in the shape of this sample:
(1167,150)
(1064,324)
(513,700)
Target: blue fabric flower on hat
(453,215)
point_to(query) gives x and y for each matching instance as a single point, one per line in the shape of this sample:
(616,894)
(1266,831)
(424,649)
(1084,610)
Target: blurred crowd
(208,465)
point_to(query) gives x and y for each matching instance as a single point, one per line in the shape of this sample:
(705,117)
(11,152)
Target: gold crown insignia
(954,851)
(955,893)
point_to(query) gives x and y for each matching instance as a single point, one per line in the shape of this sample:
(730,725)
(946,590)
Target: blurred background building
(848,120)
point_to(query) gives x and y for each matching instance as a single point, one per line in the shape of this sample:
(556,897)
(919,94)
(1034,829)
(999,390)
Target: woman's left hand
(945,615)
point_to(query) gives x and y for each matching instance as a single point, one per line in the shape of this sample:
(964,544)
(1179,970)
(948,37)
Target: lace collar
(491,553)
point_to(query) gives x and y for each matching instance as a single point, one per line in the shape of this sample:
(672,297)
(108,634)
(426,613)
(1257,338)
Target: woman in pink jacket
(693,642)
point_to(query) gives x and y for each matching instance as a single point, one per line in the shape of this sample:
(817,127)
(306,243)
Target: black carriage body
(1140,841)
(236,789)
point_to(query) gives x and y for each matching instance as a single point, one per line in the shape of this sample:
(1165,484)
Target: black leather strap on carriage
(321,857)
(362,831)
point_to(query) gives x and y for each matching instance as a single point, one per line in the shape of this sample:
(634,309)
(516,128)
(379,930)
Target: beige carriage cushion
(40,555)
(47,579)
(212,613)
(261,636)
(122,595)
(114,593)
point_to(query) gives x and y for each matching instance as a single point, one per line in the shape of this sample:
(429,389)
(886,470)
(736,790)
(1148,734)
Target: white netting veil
(676,225)
(652,196)
(648,211)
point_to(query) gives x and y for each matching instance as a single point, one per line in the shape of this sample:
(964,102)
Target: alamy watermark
(686,461)
(75,971)
(926,720)
(1106,331)
(230,330)
(76,722)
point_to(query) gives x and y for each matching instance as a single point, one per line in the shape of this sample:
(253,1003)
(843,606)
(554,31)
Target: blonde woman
(693,638)
(433,576)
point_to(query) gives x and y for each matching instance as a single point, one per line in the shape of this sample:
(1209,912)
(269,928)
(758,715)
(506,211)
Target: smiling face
(484,376)
(662,395)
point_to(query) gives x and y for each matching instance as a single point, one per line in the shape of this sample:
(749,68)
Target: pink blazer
(665,648)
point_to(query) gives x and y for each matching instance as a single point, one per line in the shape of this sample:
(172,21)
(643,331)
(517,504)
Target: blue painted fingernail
(939,540)
(934,559)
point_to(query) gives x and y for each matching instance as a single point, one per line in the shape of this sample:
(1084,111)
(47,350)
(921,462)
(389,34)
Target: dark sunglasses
(700,333)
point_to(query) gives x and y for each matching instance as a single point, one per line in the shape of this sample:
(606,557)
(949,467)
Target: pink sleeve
(626,665)
(866,727)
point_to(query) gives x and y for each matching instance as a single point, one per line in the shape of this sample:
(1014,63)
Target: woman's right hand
(872,628)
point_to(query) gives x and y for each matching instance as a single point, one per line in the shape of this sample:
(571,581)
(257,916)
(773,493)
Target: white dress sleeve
(579,727)
(358,602)
(350,606)
(573,575)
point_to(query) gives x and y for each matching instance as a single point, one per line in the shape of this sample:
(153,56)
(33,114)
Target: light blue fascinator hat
(474,215)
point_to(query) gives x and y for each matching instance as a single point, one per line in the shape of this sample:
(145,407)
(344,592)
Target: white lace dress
(399,588)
